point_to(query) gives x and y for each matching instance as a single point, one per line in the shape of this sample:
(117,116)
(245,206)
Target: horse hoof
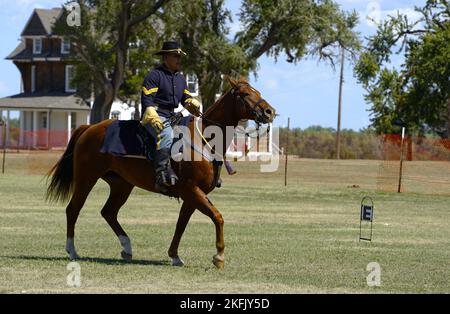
(127,257)
(177,262)
(218,261)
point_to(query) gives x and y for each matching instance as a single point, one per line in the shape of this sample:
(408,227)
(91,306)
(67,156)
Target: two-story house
(48,108)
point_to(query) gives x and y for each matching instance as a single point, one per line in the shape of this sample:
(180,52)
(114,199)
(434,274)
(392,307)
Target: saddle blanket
(129,138)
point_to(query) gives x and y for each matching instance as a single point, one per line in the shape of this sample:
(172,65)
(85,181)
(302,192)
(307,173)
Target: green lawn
(300,238)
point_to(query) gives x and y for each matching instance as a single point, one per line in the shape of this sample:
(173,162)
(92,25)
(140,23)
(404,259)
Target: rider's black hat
(170,47)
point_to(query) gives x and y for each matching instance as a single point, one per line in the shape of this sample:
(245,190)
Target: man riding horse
(162,90)
(83,163)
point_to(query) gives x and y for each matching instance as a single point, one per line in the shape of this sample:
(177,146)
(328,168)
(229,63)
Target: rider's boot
(165,176)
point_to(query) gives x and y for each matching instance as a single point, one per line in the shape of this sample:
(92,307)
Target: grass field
(299,238)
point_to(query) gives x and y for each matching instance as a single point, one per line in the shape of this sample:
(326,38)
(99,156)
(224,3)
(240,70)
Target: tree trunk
(103,101)
(448,118)
(102,105)
(121,49)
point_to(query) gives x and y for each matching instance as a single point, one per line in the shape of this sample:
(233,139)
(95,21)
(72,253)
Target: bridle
(256,109)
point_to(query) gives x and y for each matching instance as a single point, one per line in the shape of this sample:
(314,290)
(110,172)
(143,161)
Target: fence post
(286,153)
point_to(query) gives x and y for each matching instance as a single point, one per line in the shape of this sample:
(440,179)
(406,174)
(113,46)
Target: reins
(243,100)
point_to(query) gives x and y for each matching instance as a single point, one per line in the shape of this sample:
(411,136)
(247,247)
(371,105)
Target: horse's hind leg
(79,196)
(119,192)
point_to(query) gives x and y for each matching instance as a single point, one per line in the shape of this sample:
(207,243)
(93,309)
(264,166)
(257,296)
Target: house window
(192,83)
(70,87)
(33,78)
(65,46)
(37,45)
(115,114)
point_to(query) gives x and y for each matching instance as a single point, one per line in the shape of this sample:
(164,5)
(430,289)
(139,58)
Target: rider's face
(173,61)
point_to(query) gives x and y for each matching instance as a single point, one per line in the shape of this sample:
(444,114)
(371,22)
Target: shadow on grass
(106,261)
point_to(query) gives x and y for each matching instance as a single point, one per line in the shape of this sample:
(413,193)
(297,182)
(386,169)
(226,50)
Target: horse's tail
(60,187)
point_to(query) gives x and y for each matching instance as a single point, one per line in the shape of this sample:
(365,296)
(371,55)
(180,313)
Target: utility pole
(401,124)
(3,125)
(341,83)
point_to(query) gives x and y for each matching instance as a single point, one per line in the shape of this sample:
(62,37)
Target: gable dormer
(41,22)
(34,26)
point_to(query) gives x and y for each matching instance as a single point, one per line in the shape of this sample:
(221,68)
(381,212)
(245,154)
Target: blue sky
(306,92)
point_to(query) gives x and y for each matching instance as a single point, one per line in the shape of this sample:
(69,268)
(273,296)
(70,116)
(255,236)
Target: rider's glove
(193,106)
(152,117)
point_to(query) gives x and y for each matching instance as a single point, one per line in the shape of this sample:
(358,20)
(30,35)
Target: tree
(201,27)
(297,28)
(102,43)
(419,92)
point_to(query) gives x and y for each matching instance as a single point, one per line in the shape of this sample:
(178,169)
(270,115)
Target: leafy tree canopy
(419,91)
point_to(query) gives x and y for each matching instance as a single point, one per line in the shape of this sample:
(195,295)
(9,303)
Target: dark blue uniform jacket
(164,90)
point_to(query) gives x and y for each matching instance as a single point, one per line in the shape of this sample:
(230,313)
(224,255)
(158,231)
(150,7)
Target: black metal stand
(367,211)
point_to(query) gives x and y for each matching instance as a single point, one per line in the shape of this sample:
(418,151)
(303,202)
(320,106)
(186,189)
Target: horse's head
(249,103)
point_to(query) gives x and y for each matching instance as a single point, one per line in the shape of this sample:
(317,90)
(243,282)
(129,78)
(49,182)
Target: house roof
(20,49)
(41,22)
(44,101)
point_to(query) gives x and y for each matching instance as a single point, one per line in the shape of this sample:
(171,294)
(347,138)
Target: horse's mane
(241,80)
(216,104)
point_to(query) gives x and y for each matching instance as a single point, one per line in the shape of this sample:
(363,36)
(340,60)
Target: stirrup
(165,179)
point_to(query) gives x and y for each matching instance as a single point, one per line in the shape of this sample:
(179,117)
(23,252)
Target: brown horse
(82,164)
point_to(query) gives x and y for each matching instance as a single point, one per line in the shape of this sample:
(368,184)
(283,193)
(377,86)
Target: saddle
(128,138)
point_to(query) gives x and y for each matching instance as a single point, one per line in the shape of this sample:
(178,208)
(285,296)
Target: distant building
(48,108)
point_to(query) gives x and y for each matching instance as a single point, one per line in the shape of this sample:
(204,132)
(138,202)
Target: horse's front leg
(203,204)
(185,214)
